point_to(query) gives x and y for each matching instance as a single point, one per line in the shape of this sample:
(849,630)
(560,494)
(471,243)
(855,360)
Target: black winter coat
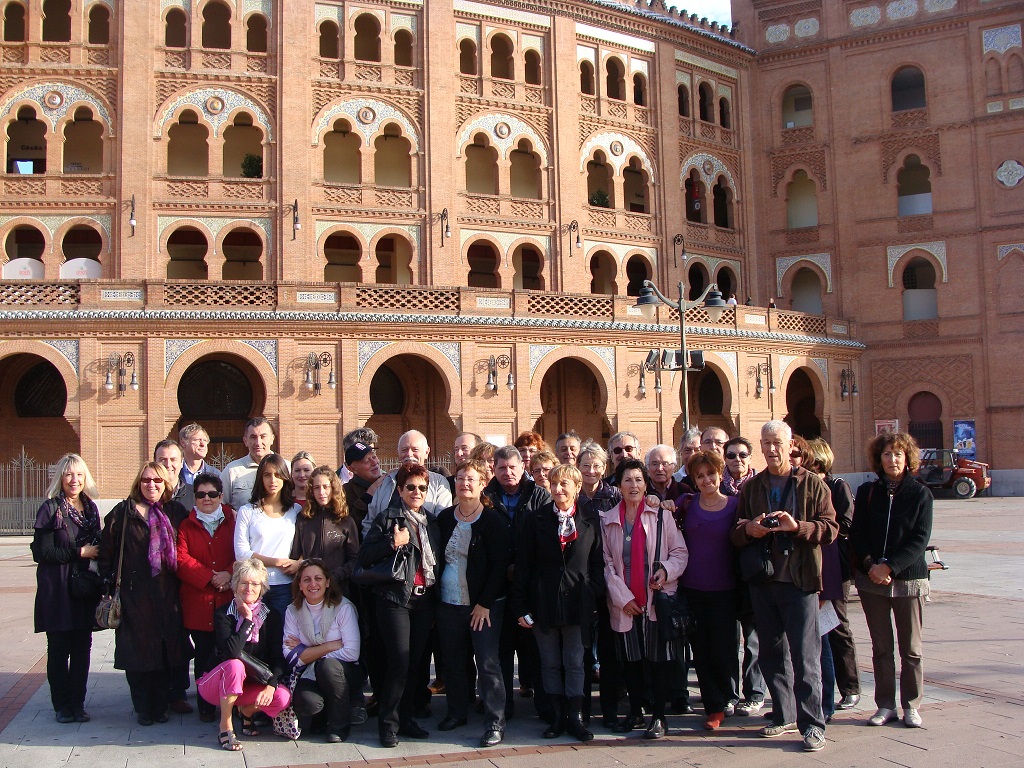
(559,587)
(488,558)
(531,498)
(151,622)
(336,542)
(378,545)
(230,642)
(57,553)
(909,527)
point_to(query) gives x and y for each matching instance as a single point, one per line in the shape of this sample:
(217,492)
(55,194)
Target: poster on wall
(886,425)
(964,438)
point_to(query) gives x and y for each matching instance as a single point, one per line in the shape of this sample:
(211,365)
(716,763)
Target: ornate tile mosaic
(865,17)
(216,106)
(55,100)
(1010,173)
(806,27)
(505,239)
(777,33)
(368,349)
(451,350)
(175,348)
(215,225)
(1004,250)
(504,14)
(607,355)
(333,12)
(68,348)
(266,7)
(730,360)
(504,131)
(822,363)
(709,167)
(537,353)
(822,260)
(934,6)
(266,347)
(470,31)
(629,149)
(901,9)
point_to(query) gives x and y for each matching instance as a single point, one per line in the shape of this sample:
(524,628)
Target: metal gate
(23,484)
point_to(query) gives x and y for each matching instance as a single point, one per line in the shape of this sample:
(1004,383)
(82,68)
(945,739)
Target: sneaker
(911,717)
(849,701)
(748,708)
(882,716)
(814,739)
(730,708)
(771,731)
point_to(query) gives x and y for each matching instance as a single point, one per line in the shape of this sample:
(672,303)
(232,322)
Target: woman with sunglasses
(206,554)
(738,468)
(150,642)
(405,610)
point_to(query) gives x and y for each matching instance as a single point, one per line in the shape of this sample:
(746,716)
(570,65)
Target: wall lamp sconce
(574,226)
(132,221)
(847,383)
(314,364)
(503,362)
(757,372)
(121,364)
(641,370)
(294,210)
(680,241)
(446,230)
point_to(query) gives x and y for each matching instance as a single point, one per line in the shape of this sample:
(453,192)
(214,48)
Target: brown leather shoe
(182,707)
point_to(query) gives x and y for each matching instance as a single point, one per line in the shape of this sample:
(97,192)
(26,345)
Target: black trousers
(149,691)
(457,640)
(715,642)
(205,644)
(844,651)
(605,643)
(405,633)
(67,667)
(328,692)
(516,641)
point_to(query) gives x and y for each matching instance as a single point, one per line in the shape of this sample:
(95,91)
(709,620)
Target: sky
(715,10)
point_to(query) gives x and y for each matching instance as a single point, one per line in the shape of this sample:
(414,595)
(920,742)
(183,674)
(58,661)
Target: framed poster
(964,438)
(886,425)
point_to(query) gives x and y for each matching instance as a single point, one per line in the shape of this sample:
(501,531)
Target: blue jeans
(278,597)
(828,681)
(561,649)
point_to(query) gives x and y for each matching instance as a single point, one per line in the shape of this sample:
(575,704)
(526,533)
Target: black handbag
(675,619)
(255,669)
(756,565)
(390,570)
(85,584)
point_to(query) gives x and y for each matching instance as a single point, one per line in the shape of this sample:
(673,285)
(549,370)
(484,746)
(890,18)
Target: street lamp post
(648,301)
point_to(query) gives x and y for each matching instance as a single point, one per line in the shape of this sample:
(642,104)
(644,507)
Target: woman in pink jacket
(636,566)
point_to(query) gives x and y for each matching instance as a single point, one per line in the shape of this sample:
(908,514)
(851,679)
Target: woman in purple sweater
(706,518)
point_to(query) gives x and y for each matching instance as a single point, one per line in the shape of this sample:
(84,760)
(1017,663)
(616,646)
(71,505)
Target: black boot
(557,727)
(574,720)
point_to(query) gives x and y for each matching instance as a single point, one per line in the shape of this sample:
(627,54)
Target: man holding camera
(793,507)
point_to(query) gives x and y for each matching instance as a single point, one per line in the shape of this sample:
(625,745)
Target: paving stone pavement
(973,709)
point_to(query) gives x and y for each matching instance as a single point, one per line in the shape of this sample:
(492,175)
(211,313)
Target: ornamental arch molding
(225,349)
(819,263)
(710,168)
(936,251)
(215,107)
(55,102)
(790,364)
(618,148)
(449,374)
(598,366)
(504,132)
(59,361)
(367,117)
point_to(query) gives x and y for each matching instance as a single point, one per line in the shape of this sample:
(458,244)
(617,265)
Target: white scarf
(308,633)
(419,527)
(212,520)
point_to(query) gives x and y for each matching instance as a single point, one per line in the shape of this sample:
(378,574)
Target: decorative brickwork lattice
(330,69)
(524,210)
(783,161)
(38,294)
(344,195)
(24,187)
(696,231)
(685,126)
(727,137)
(726,237)
(801,236)
(503,90)
(641,115)
(921,329)
(256,64)
(98,56)
(588,105)
(219,295)
(799,323)
(534,95)
(368,73)
(393,198)
(914,224)
(638,222)
(804,135)
(414,299)
(81,188)
(923,141)
(469,84)
(55,55)
(601,218)
(405,76)
(951,374)
(216,61)
(570,305)
(707,131)
(14,54)
(188,189)
(240,190)
(910,118)
(174,60)
(700,316)
(617,109)
(487,206)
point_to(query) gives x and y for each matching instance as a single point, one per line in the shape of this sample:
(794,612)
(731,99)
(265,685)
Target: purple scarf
(259,615)
(162,549)
(730,486)
(88,521)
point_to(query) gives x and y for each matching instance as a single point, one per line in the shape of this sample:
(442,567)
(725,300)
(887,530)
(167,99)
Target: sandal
(230,742)
(248,726)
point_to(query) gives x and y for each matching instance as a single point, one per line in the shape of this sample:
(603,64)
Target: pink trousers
(228,679)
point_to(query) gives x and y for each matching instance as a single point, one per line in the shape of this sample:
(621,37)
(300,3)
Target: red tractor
(945,468)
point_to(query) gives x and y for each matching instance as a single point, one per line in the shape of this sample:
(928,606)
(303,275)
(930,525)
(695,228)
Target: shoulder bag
(675,619)
(108,611)
(393,569)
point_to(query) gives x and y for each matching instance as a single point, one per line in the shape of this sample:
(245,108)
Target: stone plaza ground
(973,709)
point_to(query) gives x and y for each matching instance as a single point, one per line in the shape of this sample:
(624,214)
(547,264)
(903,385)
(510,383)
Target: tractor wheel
(964,488)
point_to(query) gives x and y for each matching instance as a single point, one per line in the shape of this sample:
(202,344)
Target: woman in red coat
(206,554)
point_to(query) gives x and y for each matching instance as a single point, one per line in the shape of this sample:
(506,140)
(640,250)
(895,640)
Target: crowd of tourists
(309,599)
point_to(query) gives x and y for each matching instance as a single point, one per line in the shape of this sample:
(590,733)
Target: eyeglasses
(152,481)
(731,455)
(410,487)
(654,464)
(207,494)
(623,449)
(719,443)
(795,455)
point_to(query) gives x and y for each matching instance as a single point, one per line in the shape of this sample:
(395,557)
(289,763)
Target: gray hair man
(412,449)
(689,444)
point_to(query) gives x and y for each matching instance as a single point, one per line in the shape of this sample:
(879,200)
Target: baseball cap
(356,452)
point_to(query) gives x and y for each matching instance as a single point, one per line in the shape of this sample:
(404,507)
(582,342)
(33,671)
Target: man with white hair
(661,463)
(790,510)
(689,444)
(412,449)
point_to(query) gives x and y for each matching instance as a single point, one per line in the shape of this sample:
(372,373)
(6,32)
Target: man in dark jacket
(794,508)
(361,460)
(516,497)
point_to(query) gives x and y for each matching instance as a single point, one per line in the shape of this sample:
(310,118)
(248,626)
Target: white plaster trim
(381,113)
(821,260)
(501,14)
(615,38)
(1005,250)
(618,162)
(517,129)
(699,160)
(713,66)
(936,249)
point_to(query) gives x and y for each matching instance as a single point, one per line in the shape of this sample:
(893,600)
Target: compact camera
(771,523)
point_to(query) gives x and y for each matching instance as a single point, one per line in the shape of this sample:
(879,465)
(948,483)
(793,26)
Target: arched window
(925,422)
(342,164)
(615,79)
(525,171)
(710,396)
(528,266)
(330,40)
(99,25)
(587,77)
(634,187)
(241,138)
(80,242)
(726,281)
(256,33)
(217,26)
(920,299)
(503,65)
(1014,73)
(188,150)
(724,113)
(797,107)
(913,188)
(698,279)
(367,38)
(483,266)
(599,182)
(342,253)
(403,48)
(394,255)
(175,24)
(707,103)
(24,242)
(696,210)
(83,143)
(481,167)
(392,160)
(26,145)
(993,77)
(801,202)
(639,90)
(242,252)
(806,292)
(186,251)
(683,94)
(14,23)
(602,274)
(467,57)
(908,89)
(637,271)
(40,393)
(722,196)
(532,68)
(56,21)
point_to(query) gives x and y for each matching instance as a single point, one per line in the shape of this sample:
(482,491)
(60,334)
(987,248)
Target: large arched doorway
(221,394)
(408,392)
(33,399)
(802,405)
(709,402)
(571,398)
(925,412)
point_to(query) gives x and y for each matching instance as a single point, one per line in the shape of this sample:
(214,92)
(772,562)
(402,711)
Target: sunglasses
(152,481)
(410,487)
(794,455)
(731,455)
(623,449)
(207,494)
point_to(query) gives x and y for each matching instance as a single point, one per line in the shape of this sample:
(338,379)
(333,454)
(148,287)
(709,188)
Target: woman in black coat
(405,610)
(151,640)
(66,539)
(558,580)
(475,546)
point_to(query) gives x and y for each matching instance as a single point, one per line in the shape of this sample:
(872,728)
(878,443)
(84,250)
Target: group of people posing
(290,584)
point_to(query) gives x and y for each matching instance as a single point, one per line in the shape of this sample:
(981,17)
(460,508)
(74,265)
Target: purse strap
(120,554)
(657,545)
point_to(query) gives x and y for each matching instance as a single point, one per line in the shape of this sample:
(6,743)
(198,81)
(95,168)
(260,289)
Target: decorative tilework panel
(936,249)
(68,348)
(451,350)
(368,349)
(537,353)
(266,347)
(175,348)
(607,355)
